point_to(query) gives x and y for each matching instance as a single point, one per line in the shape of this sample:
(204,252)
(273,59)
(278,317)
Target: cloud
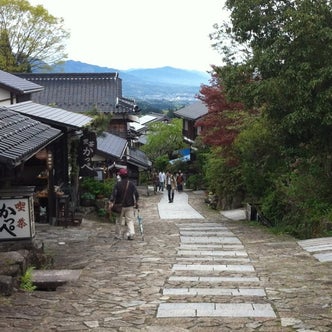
(140,33)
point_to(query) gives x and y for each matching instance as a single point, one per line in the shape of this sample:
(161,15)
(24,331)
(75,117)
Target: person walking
(179,181)
(125,193)
(155,181)
(162,178)
(170,186)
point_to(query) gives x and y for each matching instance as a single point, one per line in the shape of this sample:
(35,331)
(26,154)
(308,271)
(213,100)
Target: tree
(286,75)
(222,123)
(30,37)
(289,67)
(164,139)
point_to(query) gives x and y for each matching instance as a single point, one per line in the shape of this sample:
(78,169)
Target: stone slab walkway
(267,282)
(320,248)
(216,300)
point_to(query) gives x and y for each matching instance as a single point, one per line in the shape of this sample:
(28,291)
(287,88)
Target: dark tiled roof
(21,137)
(52,115)
(16,84)
(125,105)
(78,92)
(193,111)
(138,158)
(111,145)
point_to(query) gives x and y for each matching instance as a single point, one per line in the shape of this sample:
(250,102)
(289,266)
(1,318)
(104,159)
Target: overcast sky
(124,34)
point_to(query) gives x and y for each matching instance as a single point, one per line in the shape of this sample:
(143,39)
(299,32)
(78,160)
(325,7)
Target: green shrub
(88,195)
(97,187)
(300,201)
(195,182)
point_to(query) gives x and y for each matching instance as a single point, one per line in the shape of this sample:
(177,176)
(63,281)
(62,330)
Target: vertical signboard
(16,218)
(88,145)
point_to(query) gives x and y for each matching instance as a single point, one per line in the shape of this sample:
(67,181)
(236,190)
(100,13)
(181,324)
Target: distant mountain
(166,83)
(71,66)
(170,75)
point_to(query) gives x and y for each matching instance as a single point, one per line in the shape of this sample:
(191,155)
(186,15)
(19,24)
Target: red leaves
(221,125)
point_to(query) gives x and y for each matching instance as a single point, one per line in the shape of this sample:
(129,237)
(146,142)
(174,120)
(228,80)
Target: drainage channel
(213,277)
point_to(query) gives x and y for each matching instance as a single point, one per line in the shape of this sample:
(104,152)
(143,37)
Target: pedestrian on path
(155,181)
(179,181)
(125,192)
(162,178)
(171,186)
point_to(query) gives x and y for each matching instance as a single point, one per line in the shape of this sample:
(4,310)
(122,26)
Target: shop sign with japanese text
(16,218)
(88,145)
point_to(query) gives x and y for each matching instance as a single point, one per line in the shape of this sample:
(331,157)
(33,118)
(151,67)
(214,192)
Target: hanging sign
(87,149)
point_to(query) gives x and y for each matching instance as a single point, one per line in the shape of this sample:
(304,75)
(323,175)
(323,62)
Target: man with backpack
(126,196)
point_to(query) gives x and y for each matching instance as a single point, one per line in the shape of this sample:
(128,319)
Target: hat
(123,172)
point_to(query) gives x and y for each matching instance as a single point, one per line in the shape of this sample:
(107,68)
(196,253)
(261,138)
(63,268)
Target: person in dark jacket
(125,192)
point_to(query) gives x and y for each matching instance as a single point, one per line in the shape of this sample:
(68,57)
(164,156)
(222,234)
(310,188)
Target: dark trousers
(170,193)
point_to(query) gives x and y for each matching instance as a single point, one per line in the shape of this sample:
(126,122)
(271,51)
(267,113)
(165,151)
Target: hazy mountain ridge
(170,75)
(165,83)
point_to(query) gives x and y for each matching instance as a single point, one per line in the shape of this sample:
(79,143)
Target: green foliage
(277,56)
(88,195)
(101,212)
(161,162)
(26,280)
(300,202)
(178,165)
(222,179)
(30,37)
(260,158)
(282,72)
(195,182)
(96,187)
(101,121)
(163,139)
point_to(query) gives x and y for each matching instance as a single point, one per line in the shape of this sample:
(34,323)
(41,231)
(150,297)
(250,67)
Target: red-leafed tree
(222,123)
(220,127)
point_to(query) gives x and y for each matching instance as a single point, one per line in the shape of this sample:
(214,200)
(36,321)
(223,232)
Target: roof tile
(17,84)
(193,111)
(51,115)
(21,136)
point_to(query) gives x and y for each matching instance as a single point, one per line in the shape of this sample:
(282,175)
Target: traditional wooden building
(35,142)
(99,92)
(189,115)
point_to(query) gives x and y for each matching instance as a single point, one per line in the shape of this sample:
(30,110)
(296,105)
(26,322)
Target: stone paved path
(320,248)
(208,273)
(214,271)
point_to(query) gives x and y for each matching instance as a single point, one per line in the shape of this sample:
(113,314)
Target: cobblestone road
(206,273)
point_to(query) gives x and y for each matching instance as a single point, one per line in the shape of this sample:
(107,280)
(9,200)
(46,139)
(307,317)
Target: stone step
(234,253)
(210,279)
(214,291)
(203,309)
(321,248)
(51,279)
(208,268)
(214,259)
(209,240)
(211,246)
(206,233)
(201,225)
